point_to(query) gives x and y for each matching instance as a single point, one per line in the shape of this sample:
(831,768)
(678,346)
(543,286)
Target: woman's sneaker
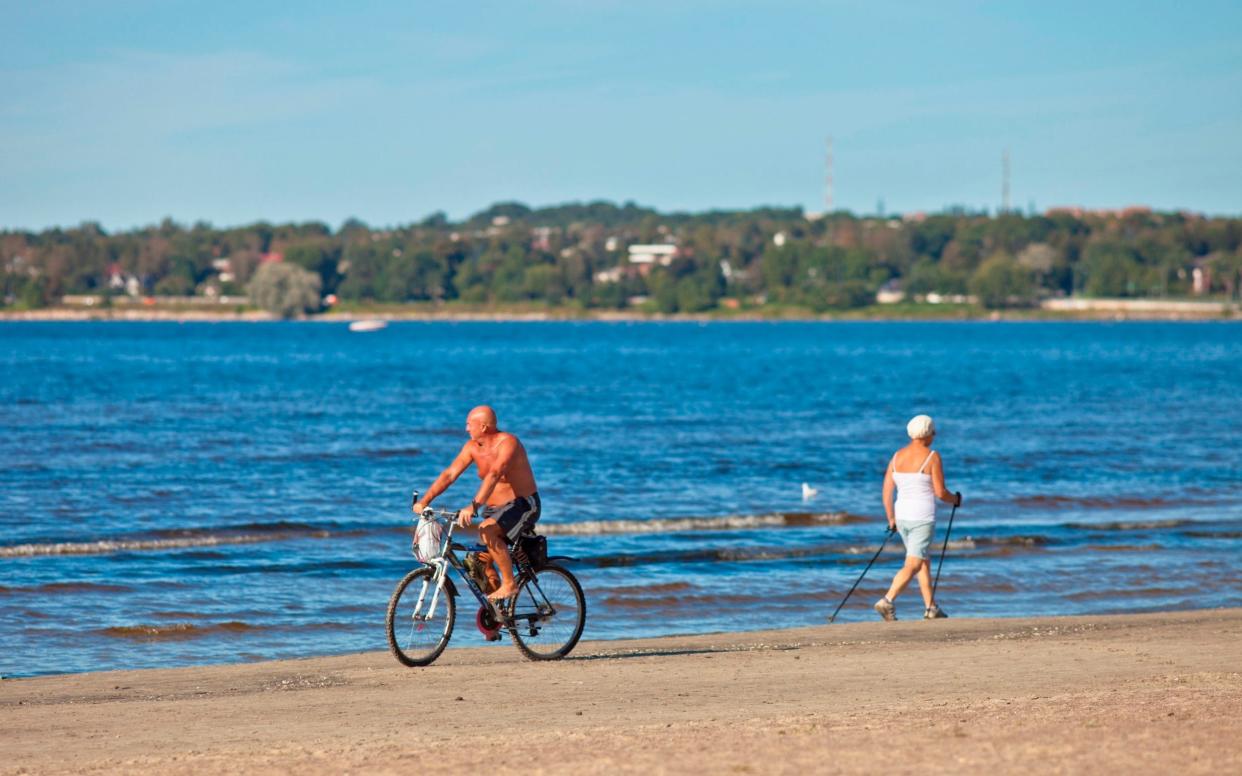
(934,612)
(886,609)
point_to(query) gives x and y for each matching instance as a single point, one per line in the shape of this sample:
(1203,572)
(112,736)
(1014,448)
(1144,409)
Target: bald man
(507,493)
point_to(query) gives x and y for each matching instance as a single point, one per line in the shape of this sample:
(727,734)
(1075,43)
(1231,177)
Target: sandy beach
(1144,693)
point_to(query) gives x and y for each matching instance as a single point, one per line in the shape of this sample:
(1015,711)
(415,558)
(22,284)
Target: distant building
(611,275)
(541,238)
(1200,278)
(890,293)
(223,268)
(118,280)
(661,254)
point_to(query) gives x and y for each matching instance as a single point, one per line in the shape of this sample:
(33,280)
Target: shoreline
(1113,693)
(538,316)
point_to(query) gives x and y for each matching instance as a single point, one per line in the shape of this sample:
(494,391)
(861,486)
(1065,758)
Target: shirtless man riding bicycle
(507,493)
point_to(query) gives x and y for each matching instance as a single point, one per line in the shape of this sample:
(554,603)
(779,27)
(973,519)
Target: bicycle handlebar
(446,515)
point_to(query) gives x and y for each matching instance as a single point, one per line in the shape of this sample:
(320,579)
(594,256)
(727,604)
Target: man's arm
(446,478)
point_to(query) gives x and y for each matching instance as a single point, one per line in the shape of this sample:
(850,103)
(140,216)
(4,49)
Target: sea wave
(259,532)
(179,631)
(1130,525)
(1124,547)
(853,553)
(682,524)
(320,455)
(170,540)
(1215,534)
(1098,502)
(691,597)
(67,587)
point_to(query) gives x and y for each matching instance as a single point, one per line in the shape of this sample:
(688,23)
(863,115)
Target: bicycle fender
(561,557)
(450,587)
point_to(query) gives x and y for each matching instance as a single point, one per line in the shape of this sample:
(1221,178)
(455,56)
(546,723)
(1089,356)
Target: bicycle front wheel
(417,634)
(548,614)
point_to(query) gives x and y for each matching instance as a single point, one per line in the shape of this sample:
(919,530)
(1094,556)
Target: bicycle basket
(536,549)
(428,537)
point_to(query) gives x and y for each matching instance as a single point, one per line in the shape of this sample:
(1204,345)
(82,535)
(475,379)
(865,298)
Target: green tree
(545,282)
(609,295)
(285,290)
(1002,282)
(663,292)
(693,296)
(1226,266)
(174,285)
(1110,269)
(928,277)
(843,295)
(319,257)
(33,294)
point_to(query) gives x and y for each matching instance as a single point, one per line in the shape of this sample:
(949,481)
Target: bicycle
(545,617)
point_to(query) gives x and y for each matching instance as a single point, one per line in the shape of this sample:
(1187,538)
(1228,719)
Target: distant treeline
(579,254)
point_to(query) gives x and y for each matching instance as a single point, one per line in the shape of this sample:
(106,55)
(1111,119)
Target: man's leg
(903,577)
(493,579)
(490,580)
(494,537)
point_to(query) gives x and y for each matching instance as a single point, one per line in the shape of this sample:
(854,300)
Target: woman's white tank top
(916,502)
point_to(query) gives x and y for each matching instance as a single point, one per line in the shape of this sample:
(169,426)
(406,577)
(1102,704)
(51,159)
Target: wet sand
(1149,693)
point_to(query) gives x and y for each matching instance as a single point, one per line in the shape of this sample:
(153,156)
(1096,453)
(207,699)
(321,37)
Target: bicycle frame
(445,560)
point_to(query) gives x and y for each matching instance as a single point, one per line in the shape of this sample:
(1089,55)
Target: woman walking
(918,475)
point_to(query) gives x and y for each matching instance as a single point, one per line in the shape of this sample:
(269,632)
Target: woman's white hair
(921,427)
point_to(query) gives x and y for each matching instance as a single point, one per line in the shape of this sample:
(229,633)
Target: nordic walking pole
(888,535)
(947,531)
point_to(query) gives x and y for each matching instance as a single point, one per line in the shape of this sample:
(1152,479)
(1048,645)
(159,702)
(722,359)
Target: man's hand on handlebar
(465,516)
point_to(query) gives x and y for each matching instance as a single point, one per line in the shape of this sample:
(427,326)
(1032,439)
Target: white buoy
(808,492)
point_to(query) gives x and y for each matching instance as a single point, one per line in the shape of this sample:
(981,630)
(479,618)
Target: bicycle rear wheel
(417,635)
(548,614)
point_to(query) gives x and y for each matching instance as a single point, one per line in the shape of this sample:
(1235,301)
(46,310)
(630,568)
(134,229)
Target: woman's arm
(937,475)
(888,497)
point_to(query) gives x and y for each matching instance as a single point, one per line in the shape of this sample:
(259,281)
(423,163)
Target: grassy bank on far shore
(903,311)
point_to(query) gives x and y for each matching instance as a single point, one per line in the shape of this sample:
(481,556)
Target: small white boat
(368,325)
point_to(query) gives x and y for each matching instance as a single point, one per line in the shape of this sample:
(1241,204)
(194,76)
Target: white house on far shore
(661,254)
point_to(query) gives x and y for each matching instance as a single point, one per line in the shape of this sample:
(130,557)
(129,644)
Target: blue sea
(175,494)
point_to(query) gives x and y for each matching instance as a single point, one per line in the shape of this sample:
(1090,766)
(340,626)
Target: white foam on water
(677,524)
(110,546)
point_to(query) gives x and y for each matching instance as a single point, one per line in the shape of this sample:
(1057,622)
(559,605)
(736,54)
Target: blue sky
(127,111)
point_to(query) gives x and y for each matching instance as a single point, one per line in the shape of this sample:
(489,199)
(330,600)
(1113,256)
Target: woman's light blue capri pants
(917,538)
